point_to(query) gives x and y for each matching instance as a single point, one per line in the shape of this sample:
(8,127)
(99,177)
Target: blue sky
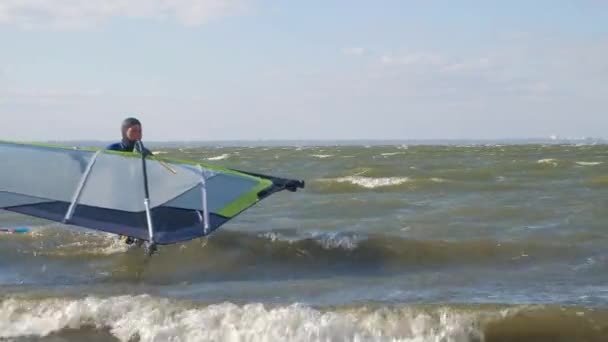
(258,69)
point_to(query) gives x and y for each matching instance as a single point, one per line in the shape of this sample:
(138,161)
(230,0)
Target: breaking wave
(146,318)
(372,182)
(230,254)
(220,157)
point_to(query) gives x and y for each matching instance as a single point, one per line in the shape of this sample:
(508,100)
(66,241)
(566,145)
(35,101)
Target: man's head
(131,129)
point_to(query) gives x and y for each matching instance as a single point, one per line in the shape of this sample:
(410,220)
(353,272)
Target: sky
(329,70)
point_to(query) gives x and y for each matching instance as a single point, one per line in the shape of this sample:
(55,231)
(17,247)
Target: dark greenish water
(386,243)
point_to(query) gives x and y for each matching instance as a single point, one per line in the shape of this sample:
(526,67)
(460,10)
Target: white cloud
(535,79)
(355,51)
(413,59)
(46,96)
(438,62)
(479,64)
(33,14)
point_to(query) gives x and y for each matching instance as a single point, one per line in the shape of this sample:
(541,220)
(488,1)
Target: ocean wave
(105,245)
(327,240)
(220,157)
(322,156)
(581,163)
(355,252)
(227,252)
(548,161)
(146,318)
(361,182)
(54,241)
(373,182)
(390,154)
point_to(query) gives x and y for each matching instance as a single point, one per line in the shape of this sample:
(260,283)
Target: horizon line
(96,143)
(336,139)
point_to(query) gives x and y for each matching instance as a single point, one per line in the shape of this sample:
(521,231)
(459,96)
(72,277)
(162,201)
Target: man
(131,133)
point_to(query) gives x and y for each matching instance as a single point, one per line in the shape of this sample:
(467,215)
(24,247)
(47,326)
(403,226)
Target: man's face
(134,133)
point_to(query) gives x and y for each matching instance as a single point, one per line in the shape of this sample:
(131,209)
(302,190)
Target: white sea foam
(548,161)
(327,240)
(322,156)
(145,318)
(114,247)
(220,157)
(581,163)
(338,240)
(276,236)
(90,244)
(373,182)
(388,154)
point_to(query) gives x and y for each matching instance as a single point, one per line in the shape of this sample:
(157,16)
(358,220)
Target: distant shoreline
(343,142)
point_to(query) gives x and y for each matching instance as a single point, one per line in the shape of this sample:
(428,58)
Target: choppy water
(386,243)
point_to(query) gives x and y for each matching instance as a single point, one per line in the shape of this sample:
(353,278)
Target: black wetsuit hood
(128,145)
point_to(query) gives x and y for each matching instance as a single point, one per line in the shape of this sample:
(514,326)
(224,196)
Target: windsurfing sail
(163,201)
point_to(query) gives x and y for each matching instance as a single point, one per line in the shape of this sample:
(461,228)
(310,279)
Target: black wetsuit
(126,145)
